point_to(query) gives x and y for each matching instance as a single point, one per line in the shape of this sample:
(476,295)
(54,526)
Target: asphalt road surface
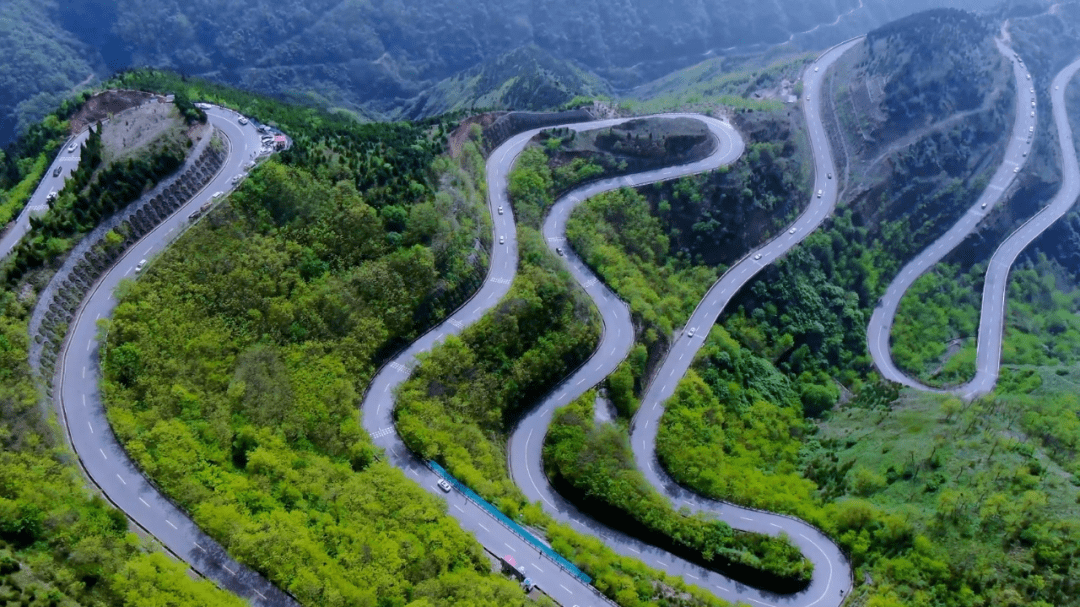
(992,313)
(67,161)
(832,573)
(84,414)
(110,468)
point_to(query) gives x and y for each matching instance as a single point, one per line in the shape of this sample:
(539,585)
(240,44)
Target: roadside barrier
(515,528)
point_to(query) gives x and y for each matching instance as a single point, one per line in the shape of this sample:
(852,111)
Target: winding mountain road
(101,455)
(66,161)
(832,572)
(992,311)
(110,468)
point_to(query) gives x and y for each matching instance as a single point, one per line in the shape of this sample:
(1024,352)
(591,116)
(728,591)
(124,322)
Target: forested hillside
(60,543)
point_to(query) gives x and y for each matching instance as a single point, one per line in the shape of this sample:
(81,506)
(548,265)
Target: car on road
(242,120)
(51,197)
(1033,114)
(829,175)
(500,210)
(815,68)
(1032,90)
(502,240)
(559,250)
(757,256)
(691,332)
(984,205)
(819,193)
(217,195)
(139,266)
(73,146)
(791,231)
(445,486)
(56,171)
(1016,170)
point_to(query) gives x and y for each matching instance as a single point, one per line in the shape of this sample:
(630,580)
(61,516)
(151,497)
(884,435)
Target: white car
(217,195)
(1016,170)
(984,205)
(692,331)
(73,146)
(139,266)
(500,210)
(445,486)
(791,231)
(815,68)
(502,240)
(242,120)
(757,256)
(820,192)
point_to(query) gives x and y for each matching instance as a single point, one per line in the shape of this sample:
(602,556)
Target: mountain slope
(372,56)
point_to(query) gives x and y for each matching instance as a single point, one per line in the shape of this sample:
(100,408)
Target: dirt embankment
(105,104)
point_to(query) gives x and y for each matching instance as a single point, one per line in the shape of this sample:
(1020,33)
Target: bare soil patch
(143,127)
(106,104)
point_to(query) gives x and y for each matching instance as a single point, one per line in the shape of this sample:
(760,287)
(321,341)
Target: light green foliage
(958,503)
(458,405)
(935,310)
(731,430)
(616,235)
(944,305)
(596,461)
(234,367)
(12,201)
(61,544)
(530,187)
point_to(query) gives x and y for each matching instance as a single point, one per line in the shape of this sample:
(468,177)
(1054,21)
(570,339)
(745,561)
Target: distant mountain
(377,56)
(526,78)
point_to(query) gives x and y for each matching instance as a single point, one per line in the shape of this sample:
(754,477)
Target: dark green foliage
(597,462)
(474,386)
